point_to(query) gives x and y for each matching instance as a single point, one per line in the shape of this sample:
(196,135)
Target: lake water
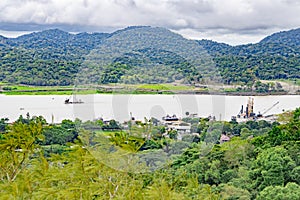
(119,107)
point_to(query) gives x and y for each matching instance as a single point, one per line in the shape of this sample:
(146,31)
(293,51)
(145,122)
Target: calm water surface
(119,107)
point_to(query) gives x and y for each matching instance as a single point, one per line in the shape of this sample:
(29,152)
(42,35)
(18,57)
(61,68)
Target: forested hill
(57,39)
(282,43)
(274,57)
(143,54)
(289,38)
(51,57)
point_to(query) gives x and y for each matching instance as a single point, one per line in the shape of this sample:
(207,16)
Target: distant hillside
(50,57)
(215,48)
(284,43)
(143,54)
(288,38)
(55,38)
(275,57)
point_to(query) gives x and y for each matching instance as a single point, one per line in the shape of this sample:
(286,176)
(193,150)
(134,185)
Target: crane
(270,108)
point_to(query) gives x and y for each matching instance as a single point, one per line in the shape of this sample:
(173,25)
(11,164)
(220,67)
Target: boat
(170,118)
(73,100)
(249,114)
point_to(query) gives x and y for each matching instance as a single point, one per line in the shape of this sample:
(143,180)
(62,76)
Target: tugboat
(73,100)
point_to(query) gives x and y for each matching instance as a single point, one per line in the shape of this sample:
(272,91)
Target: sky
(229,21)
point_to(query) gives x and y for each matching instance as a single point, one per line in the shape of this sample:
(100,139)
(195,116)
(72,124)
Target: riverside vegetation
(54,161)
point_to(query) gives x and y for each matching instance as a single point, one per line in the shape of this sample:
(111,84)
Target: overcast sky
(229,21)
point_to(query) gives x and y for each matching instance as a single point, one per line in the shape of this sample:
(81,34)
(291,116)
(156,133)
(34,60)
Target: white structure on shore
(174,123)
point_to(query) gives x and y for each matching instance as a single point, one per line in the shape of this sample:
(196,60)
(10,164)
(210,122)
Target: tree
(295,175)
(230,192)
(173,134)
(213,175)
(127,142)
(60,134)
(290,192)
(245,133)
(286,132)
(161,190)
(3,124)
(17,146)
(272,168)
(237,151)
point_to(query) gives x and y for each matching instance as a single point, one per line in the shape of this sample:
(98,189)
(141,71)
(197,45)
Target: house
(224,138)
(174,123)
(181,127)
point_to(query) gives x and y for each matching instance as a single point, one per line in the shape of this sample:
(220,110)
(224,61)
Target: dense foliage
(143,55)
(261,161)
(275,57)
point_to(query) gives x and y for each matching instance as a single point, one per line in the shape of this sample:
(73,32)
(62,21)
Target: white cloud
(239,18)
(224,36)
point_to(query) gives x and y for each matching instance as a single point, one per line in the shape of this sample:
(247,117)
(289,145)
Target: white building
(180,126)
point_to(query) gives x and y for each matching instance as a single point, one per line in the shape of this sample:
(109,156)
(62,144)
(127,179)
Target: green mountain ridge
(291,37)
(275,57)
(144,54)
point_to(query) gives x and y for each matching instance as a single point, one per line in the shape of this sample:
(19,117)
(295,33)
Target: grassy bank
(42,90)
(126,89)
(99,89)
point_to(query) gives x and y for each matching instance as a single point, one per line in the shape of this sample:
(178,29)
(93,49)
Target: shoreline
(151,89)
(89,92)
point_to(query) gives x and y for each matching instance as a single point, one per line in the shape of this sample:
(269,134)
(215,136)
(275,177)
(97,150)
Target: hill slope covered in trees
(143,55)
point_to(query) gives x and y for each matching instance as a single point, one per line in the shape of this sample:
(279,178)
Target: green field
(42,90)
(117,89)
(167,87)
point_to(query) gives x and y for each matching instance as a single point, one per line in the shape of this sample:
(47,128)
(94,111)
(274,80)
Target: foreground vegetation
(100,160)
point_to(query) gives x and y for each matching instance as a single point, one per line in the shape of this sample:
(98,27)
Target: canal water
(121,107)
